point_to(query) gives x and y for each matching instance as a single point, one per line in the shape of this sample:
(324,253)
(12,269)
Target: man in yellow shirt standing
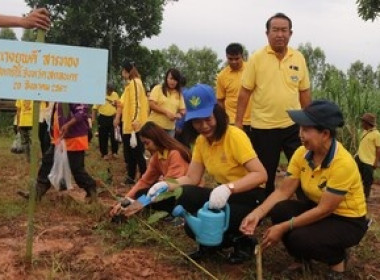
(368,155)
(105,115)
(276,79)
(228,83)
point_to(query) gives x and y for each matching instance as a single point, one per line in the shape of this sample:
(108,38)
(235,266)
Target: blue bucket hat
(321,113)
(200,101)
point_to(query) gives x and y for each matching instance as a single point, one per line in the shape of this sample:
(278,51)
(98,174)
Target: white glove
(153,189)
(133,140)
(219,197)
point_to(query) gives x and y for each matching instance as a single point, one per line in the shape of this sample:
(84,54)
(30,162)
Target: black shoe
(203,252)
(91,195)
(243,249)
(129,181)
(23,194)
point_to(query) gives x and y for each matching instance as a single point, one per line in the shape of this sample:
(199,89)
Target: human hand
(116,122)
(170,116)
(156,187)
(38,18)
(115,210)
(63,131)
(272,236)
(219,196)
(136,125)
(249,223)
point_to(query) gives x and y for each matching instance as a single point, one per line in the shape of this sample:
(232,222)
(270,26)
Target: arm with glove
(257,175)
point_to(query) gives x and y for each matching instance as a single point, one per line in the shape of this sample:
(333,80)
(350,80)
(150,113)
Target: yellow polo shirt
(338,174)
(224,159)
(275,86)
(135,105)
(26,112)
(370,140)
(173,102)
(228,84)
(109,107)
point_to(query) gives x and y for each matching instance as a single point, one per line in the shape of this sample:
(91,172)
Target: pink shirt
(168,165)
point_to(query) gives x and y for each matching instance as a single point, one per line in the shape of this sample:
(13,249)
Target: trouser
(134,157)
(106,131)
(268,144)
(241,204)
(76,162)
(25,140)
(366,172)
(43,136)
(325,240)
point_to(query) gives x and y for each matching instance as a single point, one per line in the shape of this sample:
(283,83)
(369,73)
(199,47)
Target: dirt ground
(69,244)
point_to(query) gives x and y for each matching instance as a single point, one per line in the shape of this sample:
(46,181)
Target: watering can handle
(227,214)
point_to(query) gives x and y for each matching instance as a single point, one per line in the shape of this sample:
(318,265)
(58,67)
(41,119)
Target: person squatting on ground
(228,84)
(69,124)
(226,153)
(368,155)
(104,115)
(334,216)
(276,79)
(133,108)
(169,160)
(38,18)
(166,102)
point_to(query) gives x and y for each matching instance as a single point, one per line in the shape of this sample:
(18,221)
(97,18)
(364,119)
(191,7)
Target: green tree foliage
(316,62)
(7,33)
(197,65)
(356,91)
(201,66)
(368,9)
(115,25)
(29,35)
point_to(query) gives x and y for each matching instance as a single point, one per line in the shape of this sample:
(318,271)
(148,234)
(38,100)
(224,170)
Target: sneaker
(106,157)
(334,275)
(23,194)
(115,156)
(129,181)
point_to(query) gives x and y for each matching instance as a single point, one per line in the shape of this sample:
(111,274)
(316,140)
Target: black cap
(321,113)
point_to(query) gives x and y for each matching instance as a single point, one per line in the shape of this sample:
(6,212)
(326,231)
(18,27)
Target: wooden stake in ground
(33,170)
(259,264)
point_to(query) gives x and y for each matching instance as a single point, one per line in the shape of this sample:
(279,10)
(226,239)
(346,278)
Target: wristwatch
(231,187)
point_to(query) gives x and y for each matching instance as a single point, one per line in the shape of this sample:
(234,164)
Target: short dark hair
(234,49)
(279,15)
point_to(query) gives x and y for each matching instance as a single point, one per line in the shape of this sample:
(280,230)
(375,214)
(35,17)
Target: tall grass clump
(354,98)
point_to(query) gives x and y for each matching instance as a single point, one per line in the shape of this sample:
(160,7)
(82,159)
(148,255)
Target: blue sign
(48,72)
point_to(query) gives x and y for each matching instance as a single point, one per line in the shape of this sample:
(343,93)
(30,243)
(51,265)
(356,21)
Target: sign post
(48,72)
(33,170)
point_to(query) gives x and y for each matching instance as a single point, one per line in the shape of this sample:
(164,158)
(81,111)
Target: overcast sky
(332,25)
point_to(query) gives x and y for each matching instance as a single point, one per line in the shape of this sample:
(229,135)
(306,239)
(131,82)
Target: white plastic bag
(17,147)
(133,140)
(60,174)
(117,134)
